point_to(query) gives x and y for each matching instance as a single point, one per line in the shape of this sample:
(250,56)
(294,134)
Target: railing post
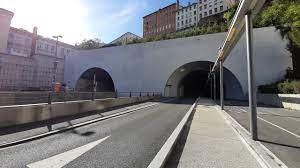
(215,88)
(49,98)
(140,94)
(129,94)
(221,86)
(251,76)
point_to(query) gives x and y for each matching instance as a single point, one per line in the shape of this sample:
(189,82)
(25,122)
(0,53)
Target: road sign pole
(251,77)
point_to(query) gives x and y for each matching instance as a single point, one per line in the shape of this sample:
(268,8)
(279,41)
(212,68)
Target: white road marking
(297,136)
(63,159)
(234,122)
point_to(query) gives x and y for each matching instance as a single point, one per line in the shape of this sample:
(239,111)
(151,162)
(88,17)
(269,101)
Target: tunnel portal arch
(104,82)
(191,80)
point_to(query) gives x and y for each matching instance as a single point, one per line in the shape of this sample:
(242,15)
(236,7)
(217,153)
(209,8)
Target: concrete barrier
(22,114)
(290,101)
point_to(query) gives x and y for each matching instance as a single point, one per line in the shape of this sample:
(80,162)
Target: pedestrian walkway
(209,141)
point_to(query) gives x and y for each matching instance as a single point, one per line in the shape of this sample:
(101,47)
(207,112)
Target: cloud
(129,11)
(52,17)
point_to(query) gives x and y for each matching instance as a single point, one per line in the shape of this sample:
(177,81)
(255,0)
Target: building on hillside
(125,38)
(201,13)
(160,22)
(187,16)
(232,2)
(211,11)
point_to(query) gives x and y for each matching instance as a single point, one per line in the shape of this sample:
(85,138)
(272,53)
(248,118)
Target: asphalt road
(278,129)
(131,140)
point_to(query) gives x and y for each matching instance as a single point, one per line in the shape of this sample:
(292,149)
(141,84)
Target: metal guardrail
(22,98)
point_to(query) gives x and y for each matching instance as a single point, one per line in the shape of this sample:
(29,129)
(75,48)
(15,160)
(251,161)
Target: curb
(263,155)
(163,154)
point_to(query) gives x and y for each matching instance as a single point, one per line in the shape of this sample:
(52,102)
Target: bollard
(49,98)
(93,96)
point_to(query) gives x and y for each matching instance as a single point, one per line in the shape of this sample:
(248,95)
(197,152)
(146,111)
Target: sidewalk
(209,141)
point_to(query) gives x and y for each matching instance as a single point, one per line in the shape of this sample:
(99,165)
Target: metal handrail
(237,28)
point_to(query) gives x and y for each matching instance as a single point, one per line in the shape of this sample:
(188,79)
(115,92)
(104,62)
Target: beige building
(29,61)
(5,19)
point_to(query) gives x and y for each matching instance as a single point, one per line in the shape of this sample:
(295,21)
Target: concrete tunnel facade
(162,66)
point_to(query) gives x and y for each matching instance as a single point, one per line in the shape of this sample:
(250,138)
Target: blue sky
(132,12)
(83,19)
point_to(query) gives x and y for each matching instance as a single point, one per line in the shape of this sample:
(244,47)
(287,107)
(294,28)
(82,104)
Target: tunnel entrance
(195,84)
(100,77)
(191,80)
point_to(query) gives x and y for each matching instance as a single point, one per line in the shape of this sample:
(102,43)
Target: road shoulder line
(257,149)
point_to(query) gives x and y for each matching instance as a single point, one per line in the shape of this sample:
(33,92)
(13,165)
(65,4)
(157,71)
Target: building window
(178,18)
(205,14)
(200,16)
(216,10)
(195,18)
(195,13)
(205,6)
(200,1)
(200,8)
(178,24)
(221,8)
(182,16)
(210,12)
(186,21)
(182,23)
(195,7)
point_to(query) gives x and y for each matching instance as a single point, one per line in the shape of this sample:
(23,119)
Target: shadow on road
(175,156)
(280,144)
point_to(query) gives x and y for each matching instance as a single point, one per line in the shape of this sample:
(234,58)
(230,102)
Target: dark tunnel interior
(104,82)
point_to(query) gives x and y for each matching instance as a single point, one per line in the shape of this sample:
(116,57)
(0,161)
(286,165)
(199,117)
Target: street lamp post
(56,62)
(56,37)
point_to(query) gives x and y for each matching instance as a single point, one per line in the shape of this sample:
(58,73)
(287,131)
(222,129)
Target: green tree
(90,44)
(228,16)
(285,16)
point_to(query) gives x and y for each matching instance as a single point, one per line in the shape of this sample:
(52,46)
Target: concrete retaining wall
(22,114)
(290,101)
